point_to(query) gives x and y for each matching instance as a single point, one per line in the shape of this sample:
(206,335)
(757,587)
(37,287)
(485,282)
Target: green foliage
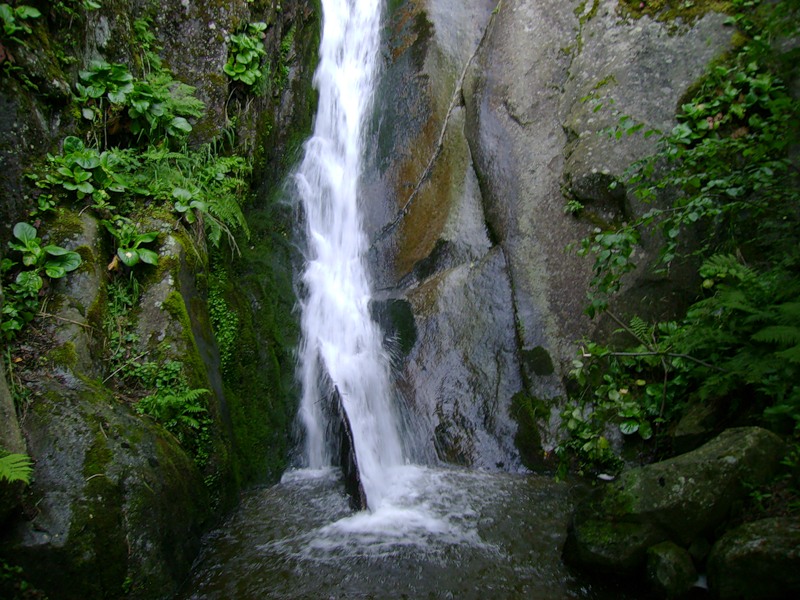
(727,167)
(156,107)
(105,80)
(82,171)
(21,297)
(159,106)
(245,51)
(14,21)
(157,386)
(173,404)
(129,241)
(224,321)
(15,467)
(282,70)
(55,261)
(202,185)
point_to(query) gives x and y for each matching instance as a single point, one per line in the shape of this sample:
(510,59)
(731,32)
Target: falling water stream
(342,346)
(430,532)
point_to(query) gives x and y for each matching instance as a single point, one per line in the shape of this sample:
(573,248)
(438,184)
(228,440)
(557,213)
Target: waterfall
(342,347)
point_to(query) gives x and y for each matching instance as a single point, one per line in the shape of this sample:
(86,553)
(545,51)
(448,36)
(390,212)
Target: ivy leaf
(629,426)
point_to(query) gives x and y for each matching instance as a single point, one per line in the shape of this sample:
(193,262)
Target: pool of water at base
(438,534)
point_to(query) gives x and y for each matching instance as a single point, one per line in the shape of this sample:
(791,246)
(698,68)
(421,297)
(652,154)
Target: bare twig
(51,316)
(125,364)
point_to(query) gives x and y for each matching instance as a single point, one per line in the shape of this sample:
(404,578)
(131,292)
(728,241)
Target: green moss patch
(670,10)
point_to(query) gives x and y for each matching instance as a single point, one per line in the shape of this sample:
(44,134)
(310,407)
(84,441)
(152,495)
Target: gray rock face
(534,141)
(679,500)
(115,499)
(476,366)
(757,560)
(532,144)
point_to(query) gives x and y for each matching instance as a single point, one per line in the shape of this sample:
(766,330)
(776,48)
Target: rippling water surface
(438,534)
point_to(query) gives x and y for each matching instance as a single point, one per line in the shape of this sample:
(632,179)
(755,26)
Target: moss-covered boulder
(115,502)
(680,500)
(757,560)
(670,570)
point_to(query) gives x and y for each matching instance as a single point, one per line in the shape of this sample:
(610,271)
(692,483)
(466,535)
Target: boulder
(679,500)
(670,570)
(757,560)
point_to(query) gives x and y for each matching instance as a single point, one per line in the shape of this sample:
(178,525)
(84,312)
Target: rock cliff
(486,128)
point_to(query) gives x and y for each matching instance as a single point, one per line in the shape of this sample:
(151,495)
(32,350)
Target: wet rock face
(461,400)
(115,501)
(757,560)
(682,500)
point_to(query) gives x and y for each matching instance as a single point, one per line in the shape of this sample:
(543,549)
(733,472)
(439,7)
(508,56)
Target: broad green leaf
(54,270)
(129,256)
(148,256)
(629,427)
(27,12)
(181,124)
(148,237)
(24,232)
(72,144)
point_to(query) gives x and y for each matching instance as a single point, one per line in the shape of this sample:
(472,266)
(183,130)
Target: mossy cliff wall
(117,503)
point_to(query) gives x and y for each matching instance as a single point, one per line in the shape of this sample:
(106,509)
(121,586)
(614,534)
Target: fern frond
(642,330)
(778,334)
(790,312)
(791,354)
(16,467)
(722,266)
(193,395)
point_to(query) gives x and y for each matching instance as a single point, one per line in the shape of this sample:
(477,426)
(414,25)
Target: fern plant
(16,467)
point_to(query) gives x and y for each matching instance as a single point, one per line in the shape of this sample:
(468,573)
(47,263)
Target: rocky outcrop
(684,500)
(485,128)
(757,560)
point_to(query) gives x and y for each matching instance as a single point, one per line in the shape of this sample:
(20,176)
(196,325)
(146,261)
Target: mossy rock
(118,503)
(757,560)
(528,412)
(683,498)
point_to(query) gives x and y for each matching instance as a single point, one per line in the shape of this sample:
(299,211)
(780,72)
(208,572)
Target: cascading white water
(340,340)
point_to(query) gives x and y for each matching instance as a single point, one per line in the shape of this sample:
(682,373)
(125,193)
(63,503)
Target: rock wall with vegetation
(589,243)
(525,139)
(147,264)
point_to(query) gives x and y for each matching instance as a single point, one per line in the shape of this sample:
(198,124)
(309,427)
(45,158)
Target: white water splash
(341,344)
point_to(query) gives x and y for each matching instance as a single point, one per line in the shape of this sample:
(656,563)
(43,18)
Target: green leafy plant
(728,169)
(14,20)
(53,261)
(129,242)
(21,296)
(159,107)
(245,51)
(103,79)
(15,467)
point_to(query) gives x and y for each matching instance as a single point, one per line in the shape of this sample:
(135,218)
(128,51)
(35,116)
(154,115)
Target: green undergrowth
(729,169)
(150,379)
